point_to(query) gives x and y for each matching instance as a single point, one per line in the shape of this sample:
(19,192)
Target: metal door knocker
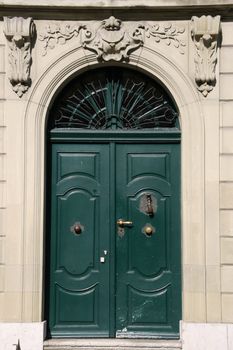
(149,210)
(148,204)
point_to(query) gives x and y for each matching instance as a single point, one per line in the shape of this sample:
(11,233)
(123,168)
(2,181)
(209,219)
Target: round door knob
(148,230)
(77,229)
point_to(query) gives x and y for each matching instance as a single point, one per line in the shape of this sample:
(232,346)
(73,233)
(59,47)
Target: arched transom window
(113,98)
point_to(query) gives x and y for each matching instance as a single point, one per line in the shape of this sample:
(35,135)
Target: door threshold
(111,344)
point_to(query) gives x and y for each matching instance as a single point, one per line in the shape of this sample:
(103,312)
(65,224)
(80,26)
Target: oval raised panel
(76,252)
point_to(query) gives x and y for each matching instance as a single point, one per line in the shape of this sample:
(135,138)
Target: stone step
(112,344)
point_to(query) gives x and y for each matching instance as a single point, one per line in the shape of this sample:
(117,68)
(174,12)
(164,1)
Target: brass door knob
(148,230)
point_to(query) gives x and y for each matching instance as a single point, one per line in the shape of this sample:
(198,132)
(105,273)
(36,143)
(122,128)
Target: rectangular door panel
(148,282)
(79,282)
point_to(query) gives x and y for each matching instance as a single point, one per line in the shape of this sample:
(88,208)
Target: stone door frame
(42,94)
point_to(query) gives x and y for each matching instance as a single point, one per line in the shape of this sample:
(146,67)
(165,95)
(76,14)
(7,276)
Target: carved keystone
(19,33)
(205,31)
(112,41)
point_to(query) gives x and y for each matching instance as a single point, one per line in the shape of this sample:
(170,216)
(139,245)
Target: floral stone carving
(111,39)
(56,34)
(205,31)
(167,32)
(19,33)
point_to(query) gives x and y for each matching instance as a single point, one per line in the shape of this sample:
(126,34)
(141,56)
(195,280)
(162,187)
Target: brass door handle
(121,223)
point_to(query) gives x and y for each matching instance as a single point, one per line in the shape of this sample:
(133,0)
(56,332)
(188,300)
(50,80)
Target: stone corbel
(19,33)
(205,33)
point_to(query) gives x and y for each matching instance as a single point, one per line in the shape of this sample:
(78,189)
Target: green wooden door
(79,282)
(148,296)
(115,279)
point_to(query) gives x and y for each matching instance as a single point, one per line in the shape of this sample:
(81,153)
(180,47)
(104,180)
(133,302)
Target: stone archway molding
(41,97)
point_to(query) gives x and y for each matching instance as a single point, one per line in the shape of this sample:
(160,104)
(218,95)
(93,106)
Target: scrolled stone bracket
(111,39)
(205,34)
(19,33)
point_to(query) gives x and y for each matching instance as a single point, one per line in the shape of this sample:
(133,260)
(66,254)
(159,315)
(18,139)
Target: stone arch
(184,93)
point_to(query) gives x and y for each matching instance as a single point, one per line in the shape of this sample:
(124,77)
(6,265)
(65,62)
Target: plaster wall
(226,172)
(207,172)
(3,176)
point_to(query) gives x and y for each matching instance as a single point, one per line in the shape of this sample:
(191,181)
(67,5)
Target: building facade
(116,172)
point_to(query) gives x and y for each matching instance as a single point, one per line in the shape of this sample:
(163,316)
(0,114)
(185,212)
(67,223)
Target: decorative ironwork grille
(113,98)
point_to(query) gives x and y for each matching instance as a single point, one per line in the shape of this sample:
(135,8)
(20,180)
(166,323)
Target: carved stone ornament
(205,31)
(111,39)
(19,33)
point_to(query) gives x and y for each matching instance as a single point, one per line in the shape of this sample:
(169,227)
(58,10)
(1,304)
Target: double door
(114,243)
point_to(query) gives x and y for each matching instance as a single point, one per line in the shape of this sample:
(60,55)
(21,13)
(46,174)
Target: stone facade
(191,53)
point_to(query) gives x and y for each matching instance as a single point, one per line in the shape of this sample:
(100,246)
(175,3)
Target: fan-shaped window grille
(113,98)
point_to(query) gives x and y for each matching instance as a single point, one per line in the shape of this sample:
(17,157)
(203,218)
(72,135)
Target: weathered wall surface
(3,177)
(226,170)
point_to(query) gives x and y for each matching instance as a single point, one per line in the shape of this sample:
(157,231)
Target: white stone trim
(27,335)
(207,336)
(113,344)
(117,3)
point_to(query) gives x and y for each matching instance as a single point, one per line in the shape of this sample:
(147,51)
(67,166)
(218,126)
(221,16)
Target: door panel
(79,289)
(148,265)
